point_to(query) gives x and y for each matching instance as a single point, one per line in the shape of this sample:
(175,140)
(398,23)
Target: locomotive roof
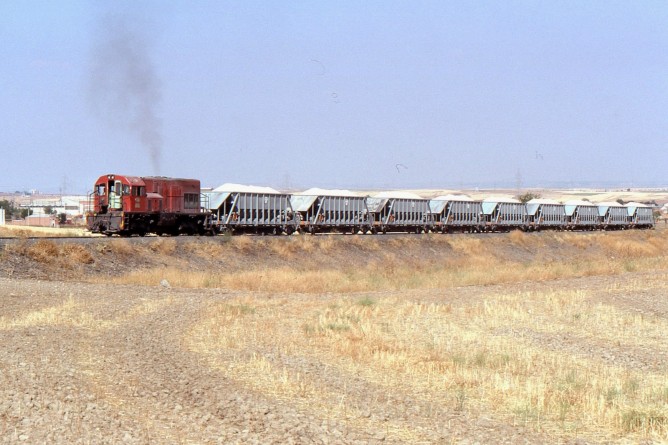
(134,180)
(140,180)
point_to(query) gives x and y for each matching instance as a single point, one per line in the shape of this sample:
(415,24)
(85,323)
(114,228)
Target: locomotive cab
(117,195)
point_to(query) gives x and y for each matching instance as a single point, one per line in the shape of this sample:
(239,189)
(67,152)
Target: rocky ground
(85,363)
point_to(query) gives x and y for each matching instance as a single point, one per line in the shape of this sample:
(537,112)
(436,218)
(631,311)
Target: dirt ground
(86,362)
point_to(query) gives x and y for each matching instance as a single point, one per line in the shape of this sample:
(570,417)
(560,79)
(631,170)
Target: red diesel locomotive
(132,205)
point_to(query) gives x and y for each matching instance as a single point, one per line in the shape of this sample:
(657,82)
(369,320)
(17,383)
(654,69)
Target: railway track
(92,238)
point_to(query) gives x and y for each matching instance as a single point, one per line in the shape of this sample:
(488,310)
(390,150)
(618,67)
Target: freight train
(132,205)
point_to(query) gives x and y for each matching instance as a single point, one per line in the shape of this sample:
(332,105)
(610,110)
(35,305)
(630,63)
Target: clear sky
(345,94)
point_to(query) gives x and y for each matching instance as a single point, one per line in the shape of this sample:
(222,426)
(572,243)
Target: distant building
(37,221)
(72,206)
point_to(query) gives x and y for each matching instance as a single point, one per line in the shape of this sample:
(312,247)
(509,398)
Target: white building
(70,205)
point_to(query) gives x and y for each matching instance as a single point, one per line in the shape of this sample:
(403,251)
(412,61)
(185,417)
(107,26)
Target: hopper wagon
(340,211)
(545,214)
(641,216)
(613,216)
(238,208)
(399,212)
(455,213)
(581,215)
(503,214)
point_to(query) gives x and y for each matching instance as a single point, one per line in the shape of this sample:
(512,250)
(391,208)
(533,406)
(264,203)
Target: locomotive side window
(126,189)
(137,191)
(191,200)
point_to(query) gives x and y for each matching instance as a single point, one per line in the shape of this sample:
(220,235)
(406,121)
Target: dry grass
(491,354)
(302,263)
(11,231)
(49,252)
(69,313)
(560,360)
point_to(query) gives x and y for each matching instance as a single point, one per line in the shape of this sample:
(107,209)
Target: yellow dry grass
(11,231)
(49,252)
(548,359)
(79,313)
(492,355)
(68,313)
(474,261)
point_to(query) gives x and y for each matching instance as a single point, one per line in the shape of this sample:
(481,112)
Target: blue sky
(347,94)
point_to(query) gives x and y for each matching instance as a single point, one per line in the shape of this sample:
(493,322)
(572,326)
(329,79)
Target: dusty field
(516,338)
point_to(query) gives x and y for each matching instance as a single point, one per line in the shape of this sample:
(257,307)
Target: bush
(528,196)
